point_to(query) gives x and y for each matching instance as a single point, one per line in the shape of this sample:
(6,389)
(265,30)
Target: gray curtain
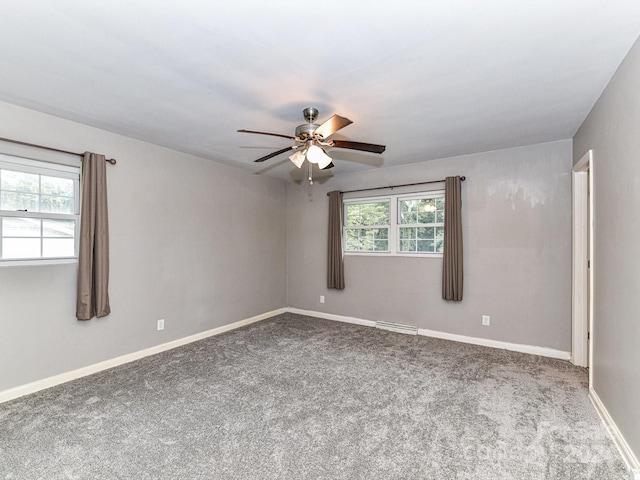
(452,274)
(93,255)
(335,262)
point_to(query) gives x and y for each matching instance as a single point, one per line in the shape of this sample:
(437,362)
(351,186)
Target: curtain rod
(112,161)
(462,179)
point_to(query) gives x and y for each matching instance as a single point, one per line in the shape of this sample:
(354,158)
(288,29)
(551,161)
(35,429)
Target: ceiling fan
(311,140)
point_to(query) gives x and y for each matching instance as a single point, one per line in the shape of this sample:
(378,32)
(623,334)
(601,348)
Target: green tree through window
(367,227)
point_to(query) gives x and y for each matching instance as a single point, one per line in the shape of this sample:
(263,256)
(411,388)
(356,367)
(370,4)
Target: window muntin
(406,225)
(39,211)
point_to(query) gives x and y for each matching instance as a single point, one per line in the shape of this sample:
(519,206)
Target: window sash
(362,237)
(363,229)
(428,236)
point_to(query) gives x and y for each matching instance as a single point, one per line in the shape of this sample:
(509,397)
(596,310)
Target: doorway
(582,276)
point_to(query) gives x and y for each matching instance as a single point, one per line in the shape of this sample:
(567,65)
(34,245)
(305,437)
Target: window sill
(390,254)
(37,262)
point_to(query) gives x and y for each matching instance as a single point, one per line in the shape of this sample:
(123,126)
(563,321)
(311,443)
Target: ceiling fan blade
(331,165)
(267,133)
(365,147)
(332,125)
(276,153)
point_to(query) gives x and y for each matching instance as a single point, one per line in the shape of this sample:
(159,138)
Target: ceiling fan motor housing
(306,130)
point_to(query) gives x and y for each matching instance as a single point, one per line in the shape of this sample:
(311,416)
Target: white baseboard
(627,454)
(516,347)
(38,385)
(486,342)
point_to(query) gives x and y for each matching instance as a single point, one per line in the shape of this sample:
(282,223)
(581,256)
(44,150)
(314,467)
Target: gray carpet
(295,397)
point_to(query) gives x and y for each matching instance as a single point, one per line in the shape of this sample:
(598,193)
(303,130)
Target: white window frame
(40,167)
(394,226)
(345,227)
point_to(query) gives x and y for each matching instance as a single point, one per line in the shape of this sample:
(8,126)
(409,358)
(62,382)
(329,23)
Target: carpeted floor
(296,398)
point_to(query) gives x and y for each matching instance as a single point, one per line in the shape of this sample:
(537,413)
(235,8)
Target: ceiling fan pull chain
(310,172)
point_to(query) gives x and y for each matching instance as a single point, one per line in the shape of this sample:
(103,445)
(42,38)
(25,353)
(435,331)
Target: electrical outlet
(160,324)
(486,320)
(321,298)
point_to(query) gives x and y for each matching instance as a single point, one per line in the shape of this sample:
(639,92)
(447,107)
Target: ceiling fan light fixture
(297,158)
(317,155)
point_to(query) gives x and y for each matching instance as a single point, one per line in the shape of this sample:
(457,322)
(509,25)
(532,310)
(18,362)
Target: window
(367,226)
(39,211)
(395,225)
(421,224)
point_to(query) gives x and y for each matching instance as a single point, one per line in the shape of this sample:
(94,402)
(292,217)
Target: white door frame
(582,276)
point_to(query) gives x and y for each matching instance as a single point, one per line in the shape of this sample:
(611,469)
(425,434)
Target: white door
(582,180)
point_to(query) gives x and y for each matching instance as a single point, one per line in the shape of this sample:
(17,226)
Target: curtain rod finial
(112,161)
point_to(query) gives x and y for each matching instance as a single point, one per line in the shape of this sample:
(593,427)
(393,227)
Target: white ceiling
(429,79)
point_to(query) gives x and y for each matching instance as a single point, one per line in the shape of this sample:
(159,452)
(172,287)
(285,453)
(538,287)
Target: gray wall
(612,130)
(194,242)
(180,252)
(517,250)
